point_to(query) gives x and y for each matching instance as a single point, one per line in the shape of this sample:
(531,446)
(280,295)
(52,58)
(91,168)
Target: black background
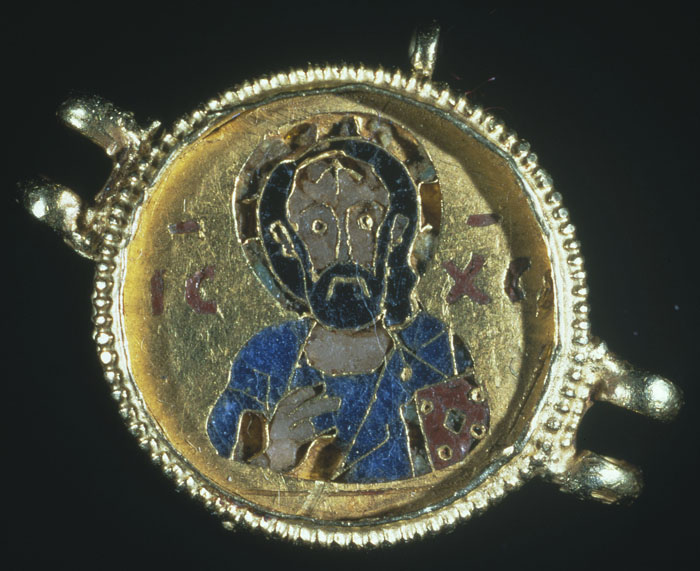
(607,97)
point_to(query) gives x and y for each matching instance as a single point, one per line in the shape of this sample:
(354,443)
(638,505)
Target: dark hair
(292,272)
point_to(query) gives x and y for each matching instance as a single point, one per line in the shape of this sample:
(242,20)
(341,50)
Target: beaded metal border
(548,443)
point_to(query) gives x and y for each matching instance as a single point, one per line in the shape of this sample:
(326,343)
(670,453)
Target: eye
(318,226)
(365,222)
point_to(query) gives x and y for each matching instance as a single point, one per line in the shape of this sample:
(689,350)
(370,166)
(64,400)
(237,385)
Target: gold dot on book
(477,431)
(444,452)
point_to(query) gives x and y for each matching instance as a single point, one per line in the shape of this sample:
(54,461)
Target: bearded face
(337,207)
(340,241)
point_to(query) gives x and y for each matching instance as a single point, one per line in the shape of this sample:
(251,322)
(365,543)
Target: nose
(344,250)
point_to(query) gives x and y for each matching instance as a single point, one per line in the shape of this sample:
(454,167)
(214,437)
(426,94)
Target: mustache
(349,274)
(354,280)
(347,296)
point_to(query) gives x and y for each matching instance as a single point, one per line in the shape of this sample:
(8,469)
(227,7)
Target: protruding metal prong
(99,120)
(62,210)
(592,476)
(423,50)
(117,132)
(623,385)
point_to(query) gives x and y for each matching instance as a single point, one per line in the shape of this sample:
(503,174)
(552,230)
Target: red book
(453,415)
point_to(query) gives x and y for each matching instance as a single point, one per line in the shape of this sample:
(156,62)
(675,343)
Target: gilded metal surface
(182,358)
(168,216)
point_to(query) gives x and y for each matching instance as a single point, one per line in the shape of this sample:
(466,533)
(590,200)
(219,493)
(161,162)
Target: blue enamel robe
(370,429)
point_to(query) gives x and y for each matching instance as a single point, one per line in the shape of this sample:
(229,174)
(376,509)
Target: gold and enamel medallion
(345,305)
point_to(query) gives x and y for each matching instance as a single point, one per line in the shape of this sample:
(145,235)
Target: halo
(293,141)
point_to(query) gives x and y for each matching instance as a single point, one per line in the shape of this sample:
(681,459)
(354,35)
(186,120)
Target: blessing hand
(291,425)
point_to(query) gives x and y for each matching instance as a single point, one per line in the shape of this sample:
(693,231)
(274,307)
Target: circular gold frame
(545,447)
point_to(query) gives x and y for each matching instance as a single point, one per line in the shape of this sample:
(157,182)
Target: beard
(347,296)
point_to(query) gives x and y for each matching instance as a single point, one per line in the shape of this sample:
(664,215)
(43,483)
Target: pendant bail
(423,50)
